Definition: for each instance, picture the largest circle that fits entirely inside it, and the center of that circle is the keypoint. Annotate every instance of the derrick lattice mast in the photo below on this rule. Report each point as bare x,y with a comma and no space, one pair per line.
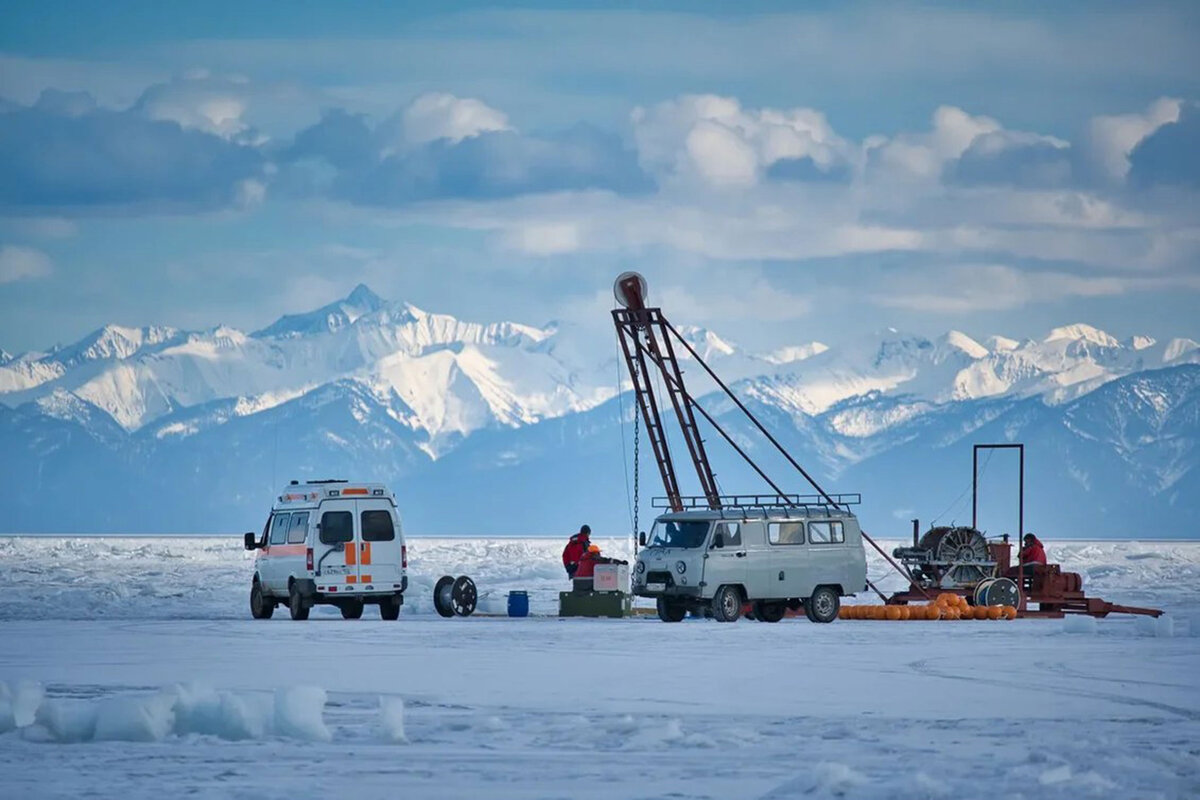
645,339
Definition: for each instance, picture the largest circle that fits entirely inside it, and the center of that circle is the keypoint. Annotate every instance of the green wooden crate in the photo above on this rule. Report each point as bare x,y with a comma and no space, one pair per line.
594,604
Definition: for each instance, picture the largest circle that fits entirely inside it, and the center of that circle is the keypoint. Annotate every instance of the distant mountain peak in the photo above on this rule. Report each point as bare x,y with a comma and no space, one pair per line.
960,341
5,356
362,297
1082,331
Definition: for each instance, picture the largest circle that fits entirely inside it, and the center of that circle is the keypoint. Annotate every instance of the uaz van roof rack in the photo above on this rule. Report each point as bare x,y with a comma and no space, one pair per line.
759,501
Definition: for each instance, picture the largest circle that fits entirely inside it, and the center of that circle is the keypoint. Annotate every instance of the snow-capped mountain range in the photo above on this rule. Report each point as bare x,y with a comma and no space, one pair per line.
143,421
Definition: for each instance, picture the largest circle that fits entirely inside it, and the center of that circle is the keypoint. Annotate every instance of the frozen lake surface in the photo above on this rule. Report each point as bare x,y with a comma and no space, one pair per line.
132,669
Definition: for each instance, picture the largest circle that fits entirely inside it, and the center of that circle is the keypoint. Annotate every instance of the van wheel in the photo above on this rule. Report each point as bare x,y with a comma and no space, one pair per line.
296,606
352,610
823,605
671,610
261,606
769,612
727,604
389,608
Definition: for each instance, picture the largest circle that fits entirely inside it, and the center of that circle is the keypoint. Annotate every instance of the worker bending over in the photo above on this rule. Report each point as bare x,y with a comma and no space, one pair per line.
585,575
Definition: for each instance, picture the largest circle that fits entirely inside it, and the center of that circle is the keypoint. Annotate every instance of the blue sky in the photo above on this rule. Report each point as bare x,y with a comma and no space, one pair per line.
781,172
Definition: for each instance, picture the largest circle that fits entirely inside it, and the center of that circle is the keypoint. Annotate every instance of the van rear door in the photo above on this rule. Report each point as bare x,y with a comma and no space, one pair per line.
335,555
379,544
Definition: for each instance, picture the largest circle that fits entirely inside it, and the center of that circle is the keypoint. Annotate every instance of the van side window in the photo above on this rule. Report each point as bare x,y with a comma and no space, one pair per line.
337,526
377,526
826,532
730,532
279,528
299,530
785,533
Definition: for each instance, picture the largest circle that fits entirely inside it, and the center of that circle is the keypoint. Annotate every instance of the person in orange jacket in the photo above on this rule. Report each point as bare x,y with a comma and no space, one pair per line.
577,545
588,562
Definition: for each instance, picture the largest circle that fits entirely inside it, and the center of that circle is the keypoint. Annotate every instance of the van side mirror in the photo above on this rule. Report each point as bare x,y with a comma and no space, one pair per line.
718,540
642,538
248,541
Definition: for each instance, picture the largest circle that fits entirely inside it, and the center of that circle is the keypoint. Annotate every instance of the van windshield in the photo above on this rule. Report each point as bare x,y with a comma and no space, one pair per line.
678,534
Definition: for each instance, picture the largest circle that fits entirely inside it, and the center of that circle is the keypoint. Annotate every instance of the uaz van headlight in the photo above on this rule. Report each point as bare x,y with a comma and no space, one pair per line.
640,568
680,567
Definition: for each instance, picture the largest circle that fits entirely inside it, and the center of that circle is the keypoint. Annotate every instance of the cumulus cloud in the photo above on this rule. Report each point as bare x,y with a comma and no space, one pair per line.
721,143
1110,139
1015,158
1170,155
63,154
965,148
442,147
443,116
19,263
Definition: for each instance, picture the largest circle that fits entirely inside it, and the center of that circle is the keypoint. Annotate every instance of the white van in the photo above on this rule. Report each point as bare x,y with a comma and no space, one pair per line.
330,542
715,562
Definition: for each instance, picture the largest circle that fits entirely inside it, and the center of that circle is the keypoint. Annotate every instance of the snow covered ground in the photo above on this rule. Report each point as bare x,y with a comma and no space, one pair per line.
130,668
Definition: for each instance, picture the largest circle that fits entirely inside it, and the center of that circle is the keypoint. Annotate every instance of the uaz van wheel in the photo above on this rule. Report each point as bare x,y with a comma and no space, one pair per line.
389,608
671,610
352,610
296,604
823,605
727,604
261,607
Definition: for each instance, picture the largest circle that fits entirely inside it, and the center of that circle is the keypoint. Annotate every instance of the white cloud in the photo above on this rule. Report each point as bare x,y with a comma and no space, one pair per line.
544,239
967,288
19,263
444,116
199,101
1112,138
723,144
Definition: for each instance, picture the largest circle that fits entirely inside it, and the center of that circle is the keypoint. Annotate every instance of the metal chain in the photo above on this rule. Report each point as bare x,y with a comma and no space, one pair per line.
636,471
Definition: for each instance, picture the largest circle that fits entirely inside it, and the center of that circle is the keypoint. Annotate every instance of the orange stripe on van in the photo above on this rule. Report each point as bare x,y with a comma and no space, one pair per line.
366,578
351,554
353,491
366,554
351,579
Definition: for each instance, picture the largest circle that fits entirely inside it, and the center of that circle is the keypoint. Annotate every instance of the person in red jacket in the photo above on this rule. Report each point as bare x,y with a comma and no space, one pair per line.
1032,553
577,545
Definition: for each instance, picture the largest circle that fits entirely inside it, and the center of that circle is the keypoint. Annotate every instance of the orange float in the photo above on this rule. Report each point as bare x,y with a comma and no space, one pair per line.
905,612
995,612
980,612
893,612
1010,612
950,613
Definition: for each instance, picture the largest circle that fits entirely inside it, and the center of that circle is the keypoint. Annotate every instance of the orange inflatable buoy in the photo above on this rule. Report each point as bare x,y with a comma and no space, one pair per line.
893,612
995,612
1010,612
905,612
980,612
950,613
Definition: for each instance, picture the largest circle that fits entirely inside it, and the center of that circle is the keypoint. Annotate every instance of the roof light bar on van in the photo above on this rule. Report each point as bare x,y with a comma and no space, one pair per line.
353,491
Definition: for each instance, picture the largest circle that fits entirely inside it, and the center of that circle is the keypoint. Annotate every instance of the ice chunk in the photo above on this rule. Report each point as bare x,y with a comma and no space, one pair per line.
298,712
7,721
67,720
145,718
25,701
391,718
1079,623
203,710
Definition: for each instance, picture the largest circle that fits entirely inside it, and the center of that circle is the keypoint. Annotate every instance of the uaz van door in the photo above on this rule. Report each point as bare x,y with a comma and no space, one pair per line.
725,564
379,544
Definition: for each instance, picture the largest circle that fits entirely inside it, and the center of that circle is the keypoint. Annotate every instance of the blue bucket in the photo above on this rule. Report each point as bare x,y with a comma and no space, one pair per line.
518,604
